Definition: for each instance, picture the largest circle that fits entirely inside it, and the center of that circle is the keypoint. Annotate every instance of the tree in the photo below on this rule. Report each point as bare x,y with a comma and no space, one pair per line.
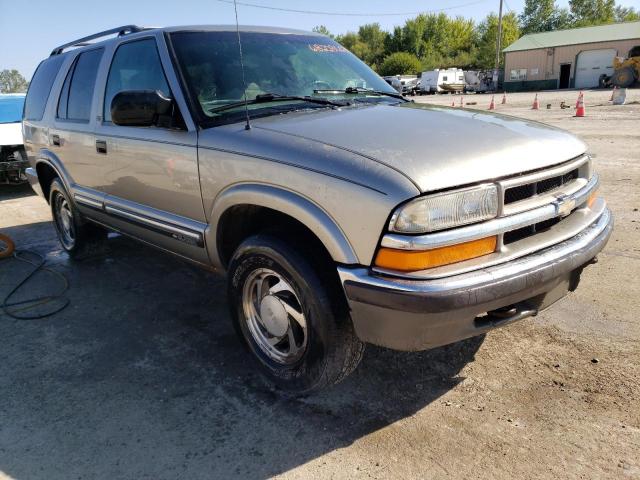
11,81
626,14
321,29
543,16
374,38
369,44
352,42
592,12
436,39
488,32
400,63
562,19
536,16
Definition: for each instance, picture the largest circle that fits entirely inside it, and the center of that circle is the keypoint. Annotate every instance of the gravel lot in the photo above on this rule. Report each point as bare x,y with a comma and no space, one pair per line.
142,377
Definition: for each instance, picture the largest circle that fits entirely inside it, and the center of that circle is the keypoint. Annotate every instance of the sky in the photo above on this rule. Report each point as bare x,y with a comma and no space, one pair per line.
45,24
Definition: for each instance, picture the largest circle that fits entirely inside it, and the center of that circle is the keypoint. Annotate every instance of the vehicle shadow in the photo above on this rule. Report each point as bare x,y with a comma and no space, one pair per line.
11,191
142,376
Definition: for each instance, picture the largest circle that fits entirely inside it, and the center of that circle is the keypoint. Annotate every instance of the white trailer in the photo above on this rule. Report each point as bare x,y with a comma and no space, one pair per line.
442,80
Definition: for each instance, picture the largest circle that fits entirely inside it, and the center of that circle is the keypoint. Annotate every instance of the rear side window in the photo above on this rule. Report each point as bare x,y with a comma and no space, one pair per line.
135,66
40,87
77,92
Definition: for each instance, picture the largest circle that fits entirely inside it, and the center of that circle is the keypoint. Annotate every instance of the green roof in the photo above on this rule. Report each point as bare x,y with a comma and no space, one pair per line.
576,36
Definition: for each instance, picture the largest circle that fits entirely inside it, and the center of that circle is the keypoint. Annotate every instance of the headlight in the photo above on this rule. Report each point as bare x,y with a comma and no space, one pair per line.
446,210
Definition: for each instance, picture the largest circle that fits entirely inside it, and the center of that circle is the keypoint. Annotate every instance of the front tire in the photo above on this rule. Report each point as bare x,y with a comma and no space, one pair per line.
289,317
76,236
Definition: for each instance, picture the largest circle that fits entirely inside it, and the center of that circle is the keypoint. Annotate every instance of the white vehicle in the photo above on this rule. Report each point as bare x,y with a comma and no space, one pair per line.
442,80
13,159
404,83
478,81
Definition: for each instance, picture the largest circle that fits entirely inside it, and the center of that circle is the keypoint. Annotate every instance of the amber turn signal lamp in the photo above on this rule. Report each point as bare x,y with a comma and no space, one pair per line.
411,261
592,198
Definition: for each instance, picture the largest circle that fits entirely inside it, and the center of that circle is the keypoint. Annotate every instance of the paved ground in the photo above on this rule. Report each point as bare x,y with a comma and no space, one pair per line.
141,377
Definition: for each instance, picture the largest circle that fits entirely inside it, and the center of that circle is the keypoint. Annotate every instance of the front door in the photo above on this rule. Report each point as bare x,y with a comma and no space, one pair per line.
152,182
565,75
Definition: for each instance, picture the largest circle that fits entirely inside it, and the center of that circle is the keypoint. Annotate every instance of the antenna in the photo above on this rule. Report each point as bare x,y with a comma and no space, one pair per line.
244,83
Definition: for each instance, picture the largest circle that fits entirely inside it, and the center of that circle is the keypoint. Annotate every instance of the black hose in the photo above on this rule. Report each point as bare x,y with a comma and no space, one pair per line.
29,304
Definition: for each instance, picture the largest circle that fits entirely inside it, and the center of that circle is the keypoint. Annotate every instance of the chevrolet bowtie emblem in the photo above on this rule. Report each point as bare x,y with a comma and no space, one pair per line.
564,205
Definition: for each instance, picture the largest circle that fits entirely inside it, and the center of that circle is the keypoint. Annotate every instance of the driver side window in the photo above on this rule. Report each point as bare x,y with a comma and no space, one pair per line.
135,66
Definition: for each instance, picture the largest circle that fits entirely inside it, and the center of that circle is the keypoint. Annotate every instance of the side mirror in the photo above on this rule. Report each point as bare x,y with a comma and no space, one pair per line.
140,108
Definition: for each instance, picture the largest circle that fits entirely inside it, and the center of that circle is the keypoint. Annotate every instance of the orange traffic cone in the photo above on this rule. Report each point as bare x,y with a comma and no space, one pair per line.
536,104
613,92
504,98
580,106
453,103
492,105
579,97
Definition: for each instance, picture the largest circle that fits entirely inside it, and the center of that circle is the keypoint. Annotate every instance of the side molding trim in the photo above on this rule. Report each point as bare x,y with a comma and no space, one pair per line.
87,202
177,233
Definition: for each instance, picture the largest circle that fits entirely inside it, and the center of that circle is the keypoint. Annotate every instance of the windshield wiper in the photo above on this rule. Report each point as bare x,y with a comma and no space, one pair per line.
274,97
356,90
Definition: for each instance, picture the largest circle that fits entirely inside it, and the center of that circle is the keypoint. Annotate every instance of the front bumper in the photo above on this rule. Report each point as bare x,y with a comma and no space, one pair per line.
32,177
422,314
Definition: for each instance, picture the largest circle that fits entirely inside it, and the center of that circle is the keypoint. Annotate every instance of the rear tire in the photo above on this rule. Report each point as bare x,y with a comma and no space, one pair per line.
76,235
289,317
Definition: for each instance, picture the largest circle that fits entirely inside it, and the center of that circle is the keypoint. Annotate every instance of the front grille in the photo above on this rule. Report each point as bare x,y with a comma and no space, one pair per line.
522,192
528,231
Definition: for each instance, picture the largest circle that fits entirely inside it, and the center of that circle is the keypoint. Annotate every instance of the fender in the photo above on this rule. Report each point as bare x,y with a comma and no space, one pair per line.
51,159
284,201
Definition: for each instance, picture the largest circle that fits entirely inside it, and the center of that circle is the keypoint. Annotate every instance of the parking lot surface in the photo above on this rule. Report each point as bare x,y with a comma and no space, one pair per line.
142,377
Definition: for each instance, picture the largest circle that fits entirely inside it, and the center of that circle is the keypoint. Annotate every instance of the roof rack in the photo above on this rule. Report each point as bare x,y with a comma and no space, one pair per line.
124,30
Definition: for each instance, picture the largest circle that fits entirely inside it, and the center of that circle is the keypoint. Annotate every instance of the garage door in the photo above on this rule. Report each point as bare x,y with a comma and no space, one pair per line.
591,64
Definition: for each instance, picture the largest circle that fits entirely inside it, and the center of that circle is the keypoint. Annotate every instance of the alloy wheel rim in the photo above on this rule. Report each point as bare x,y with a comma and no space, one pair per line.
274,316
64,222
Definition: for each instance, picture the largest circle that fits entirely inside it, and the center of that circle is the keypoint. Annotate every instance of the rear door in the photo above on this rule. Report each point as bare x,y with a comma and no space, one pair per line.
152,181
72,133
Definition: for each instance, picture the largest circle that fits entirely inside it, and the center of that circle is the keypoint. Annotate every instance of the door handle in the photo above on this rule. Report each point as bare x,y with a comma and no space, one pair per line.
55,139
101,146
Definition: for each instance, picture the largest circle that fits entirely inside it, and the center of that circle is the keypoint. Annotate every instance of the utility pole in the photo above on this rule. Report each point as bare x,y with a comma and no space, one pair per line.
498,42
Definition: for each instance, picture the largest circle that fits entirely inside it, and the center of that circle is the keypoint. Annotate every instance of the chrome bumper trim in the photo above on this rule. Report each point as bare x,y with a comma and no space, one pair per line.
486,276
569,227
562,206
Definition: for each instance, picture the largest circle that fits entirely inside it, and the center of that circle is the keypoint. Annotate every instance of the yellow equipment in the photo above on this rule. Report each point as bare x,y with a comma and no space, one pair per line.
626,71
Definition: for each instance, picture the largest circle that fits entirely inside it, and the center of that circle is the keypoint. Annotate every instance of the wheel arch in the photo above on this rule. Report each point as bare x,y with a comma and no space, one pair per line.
237,200
48,167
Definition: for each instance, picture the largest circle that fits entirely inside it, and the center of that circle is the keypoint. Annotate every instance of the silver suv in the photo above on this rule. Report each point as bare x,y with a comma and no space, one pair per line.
342,213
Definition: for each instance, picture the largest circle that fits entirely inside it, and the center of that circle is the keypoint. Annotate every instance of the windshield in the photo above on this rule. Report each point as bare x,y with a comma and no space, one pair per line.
11,108
281,64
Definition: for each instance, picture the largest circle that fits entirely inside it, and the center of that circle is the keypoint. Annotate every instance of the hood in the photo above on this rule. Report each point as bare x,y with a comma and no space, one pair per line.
435,147
11,134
